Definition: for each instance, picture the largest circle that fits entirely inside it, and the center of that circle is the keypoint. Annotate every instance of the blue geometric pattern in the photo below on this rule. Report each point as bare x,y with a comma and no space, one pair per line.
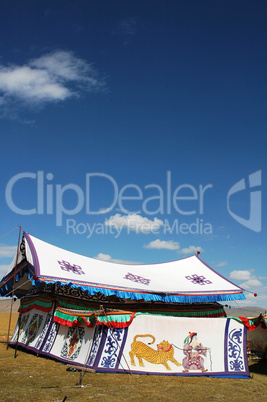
51,338
95,346
44,331
111,348
235,358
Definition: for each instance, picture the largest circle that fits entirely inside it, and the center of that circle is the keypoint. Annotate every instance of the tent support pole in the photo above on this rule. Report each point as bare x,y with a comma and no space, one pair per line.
13,290
19,324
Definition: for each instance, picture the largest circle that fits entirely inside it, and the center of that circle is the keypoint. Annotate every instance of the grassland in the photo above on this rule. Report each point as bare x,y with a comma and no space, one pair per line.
31,378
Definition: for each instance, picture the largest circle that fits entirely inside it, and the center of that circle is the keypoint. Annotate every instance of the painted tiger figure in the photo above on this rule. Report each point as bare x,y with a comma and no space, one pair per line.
142,351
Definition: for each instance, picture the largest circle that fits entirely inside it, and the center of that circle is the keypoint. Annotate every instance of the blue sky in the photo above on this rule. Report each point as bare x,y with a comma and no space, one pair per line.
161,101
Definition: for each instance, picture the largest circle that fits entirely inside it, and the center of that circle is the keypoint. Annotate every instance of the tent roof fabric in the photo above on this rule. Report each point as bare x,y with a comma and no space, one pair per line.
189,280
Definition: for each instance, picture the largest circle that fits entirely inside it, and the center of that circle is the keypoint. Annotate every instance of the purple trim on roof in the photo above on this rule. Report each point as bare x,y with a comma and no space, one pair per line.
36,264
67,281
232,283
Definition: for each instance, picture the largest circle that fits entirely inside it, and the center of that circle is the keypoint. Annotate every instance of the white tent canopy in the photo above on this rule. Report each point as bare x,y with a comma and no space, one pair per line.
187,280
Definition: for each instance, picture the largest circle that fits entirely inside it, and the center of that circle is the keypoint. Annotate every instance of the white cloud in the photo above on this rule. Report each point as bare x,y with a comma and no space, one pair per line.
133,222
246,275
31,84
107,257
222,264
163,244
190,250
240,275
128,26
62,64
250,300
3,270
51,77
250,283
7,251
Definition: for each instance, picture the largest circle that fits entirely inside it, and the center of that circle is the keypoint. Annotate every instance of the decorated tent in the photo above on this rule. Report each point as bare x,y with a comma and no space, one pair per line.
158,318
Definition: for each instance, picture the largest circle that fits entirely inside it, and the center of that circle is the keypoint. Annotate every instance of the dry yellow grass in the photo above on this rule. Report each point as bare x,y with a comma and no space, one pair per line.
31,378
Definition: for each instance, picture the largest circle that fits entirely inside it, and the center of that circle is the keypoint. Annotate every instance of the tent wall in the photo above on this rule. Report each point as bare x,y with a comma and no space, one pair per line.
150,344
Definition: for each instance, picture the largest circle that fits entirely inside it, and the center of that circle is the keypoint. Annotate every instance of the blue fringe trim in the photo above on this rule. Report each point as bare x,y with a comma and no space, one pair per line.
148,296
5,289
